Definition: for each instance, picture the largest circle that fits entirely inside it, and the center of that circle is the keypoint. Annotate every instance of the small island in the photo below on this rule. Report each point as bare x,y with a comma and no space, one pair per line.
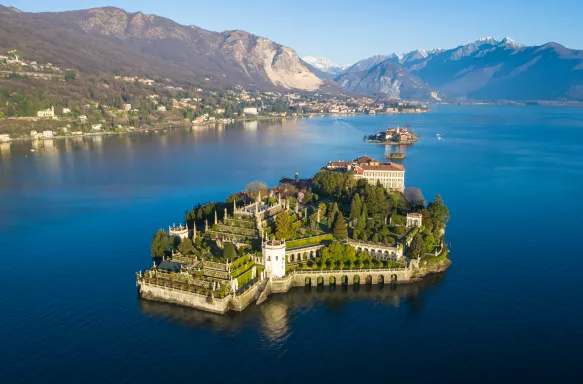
352,223
395,155
393,136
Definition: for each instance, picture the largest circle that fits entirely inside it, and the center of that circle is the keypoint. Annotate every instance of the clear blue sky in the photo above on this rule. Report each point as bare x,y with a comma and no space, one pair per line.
347,31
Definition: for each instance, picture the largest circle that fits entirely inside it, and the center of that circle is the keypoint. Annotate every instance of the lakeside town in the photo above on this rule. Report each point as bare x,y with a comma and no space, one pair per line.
43,101
354,223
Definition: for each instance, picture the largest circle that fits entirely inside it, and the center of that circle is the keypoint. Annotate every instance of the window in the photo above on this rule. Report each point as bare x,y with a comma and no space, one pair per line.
268,258
276,258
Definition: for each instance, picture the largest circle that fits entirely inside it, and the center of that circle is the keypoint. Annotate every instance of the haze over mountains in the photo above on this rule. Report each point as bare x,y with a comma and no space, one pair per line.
107,40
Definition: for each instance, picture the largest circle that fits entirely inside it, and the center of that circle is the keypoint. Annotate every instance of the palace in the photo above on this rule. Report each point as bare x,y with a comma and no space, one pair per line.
389,175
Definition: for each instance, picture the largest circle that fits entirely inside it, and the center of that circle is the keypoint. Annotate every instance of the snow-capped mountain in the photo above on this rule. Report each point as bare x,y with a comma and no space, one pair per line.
324,64
485,69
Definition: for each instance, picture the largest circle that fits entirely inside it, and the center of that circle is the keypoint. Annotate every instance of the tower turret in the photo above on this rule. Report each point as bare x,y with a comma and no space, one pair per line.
274,258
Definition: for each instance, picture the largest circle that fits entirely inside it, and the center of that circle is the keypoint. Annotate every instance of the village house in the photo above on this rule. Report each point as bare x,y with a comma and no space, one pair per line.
66,110
161,108
33,134
126,107
96,127
82,118
250,111
48,134
4,138
50,112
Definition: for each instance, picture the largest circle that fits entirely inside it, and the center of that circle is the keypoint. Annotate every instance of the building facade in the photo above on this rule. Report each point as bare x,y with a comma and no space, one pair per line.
389,175
274,258
414,220
46,112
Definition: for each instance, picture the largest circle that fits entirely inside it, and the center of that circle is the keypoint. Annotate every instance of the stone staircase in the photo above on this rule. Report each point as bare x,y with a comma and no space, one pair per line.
265,290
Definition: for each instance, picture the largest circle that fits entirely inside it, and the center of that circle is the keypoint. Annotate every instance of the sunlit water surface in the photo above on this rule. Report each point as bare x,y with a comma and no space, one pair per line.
77,217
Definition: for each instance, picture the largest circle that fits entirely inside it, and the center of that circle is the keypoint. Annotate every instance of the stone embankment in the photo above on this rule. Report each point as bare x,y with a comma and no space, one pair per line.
260,291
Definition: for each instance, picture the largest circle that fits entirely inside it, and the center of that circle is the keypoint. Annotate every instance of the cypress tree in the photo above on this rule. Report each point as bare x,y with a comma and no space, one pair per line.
340,230
229,252
364,211
355,207
332,214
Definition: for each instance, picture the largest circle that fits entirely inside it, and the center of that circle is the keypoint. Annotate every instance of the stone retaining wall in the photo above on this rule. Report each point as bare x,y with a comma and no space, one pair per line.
189,299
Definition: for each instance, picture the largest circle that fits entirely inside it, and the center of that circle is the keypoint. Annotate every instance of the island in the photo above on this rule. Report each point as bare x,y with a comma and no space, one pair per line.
393,136
353,223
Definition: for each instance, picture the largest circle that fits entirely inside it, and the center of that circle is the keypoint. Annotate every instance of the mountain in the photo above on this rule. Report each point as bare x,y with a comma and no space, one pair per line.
387,78
111,39
486,69
325,65
366,64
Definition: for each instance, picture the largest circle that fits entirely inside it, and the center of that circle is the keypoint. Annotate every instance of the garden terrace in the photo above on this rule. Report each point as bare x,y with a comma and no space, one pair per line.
309,241
186,287
234,222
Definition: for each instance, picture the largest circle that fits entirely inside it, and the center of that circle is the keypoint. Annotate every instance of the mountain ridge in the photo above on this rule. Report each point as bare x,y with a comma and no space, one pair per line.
487,69
235,57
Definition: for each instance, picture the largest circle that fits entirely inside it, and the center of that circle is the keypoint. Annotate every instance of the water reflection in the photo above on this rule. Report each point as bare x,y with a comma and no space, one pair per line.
5,151
275,316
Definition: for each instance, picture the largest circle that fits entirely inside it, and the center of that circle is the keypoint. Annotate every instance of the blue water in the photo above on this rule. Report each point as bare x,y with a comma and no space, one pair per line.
77,216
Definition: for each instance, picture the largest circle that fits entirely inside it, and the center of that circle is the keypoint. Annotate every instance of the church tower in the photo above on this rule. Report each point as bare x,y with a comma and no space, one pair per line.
274,258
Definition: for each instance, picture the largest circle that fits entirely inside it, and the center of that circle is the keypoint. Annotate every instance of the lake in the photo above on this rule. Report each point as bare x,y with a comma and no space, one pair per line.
78,215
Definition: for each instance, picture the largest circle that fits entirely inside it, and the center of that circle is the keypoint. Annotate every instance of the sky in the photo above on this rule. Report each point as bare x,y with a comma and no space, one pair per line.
348,31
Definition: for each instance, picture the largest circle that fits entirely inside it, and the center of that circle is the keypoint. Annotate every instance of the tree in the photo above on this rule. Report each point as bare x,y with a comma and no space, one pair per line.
417,248
414,197
340,231
334,184
185,246
254,187
229,252
70,76
159,244
364,211
355,207
332,214
438,209
283,226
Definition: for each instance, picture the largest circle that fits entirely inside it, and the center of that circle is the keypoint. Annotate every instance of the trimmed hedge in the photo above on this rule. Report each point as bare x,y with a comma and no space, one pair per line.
309,240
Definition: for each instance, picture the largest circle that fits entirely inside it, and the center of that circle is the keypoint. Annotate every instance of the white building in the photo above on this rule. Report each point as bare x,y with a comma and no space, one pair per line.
250,111
96,127
414,220
50,112
66,110
33,134
390,175
126,107
179,231
274,258
83,118
4,138
161,108
47,134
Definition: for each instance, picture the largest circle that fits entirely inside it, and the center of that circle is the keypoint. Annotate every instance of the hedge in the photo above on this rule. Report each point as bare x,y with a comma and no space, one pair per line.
309,240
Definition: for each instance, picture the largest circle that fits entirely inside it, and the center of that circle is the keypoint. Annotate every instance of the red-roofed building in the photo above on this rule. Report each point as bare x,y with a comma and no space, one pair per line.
390,175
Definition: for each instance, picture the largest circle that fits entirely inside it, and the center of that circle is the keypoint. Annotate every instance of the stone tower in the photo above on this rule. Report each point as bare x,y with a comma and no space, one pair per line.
274,258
